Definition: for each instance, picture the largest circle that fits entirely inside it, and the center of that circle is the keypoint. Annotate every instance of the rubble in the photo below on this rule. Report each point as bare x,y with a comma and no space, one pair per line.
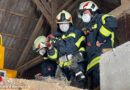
23,84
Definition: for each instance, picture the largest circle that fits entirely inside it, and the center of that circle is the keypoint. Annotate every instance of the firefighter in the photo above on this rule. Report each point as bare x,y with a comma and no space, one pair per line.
48,67
68,46
99,32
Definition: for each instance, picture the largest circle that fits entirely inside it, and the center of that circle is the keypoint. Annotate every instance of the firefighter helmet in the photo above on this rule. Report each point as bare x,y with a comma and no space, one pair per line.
39,42
88,5
64,17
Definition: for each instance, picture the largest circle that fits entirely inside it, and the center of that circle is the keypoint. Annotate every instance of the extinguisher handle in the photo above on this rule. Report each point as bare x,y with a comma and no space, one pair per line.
0,39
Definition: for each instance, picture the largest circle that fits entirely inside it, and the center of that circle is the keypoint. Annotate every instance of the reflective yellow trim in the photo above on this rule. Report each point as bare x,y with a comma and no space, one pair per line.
105,31
55,55
82,38
63,36
94,26
68,63
93,62
82,49
103,18
72,35
45,58
112,39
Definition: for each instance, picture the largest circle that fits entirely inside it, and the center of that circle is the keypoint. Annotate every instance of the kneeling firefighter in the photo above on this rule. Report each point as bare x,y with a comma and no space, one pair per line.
48,66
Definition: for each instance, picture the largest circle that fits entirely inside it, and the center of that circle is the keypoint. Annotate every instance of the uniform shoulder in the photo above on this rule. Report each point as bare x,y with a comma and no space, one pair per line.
76,30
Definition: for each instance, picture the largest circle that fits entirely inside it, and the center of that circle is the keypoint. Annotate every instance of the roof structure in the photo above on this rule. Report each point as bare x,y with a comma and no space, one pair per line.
21,21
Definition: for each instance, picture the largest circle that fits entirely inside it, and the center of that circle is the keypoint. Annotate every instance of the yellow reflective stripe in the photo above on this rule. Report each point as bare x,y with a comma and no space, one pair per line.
54,56
61,64
50,41
112,39
82,38
103,18
93,62
72,35
82,49
68,63
104,31
63,36
94,26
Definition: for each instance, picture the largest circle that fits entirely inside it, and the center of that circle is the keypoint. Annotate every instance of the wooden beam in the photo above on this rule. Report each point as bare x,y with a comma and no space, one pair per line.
65,5
17,14
14,36
54,13
46,5
29,64
30,42
118,12
44,12
124,1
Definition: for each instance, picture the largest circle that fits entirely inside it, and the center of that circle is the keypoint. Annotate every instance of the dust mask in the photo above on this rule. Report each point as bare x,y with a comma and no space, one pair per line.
86,18
64,27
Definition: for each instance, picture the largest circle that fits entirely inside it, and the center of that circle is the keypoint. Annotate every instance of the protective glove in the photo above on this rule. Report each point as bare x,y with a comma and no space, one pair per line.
49,41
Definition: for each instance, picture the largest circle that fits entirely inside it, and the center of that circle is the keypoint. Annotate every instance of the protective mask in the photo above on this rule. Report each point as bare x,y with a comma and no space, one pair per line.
86,18
64,27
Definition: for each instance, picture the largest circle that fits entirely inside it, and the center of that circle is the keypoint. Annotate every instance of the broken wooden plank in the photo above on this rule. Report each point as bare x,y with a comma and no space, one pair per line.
30,42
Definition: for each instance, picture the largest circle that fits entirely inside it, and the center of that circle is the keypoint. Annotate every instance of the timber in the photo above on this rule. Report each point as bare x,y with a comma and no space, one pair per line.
118,12
43,10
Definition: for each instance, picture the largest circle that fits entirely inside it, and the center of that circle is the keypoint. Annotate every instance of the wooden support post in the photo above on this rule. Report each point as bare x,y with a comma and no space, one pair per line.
29,64
30,42
53,14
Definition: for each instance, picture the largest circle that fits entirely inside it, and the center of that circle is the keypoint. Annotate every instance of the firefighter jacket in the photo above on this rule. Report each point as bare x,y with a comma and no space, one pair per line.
67,43
101,28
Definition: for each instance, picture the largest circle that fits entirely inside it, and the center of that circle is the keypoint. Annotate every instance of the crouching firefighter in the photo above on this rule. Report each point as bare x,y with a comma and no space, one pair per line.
48,67
68,47
100,30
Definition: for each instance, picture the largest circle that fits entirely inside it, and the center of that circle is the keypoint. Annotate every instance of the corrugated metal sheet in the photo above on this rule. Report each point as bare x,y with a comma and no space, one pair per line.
12,26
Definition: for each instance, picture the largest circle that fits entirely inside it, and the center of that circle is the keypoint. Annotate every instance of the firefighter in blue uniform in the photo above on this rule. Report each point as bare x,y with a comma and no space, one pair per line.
68,46
99,32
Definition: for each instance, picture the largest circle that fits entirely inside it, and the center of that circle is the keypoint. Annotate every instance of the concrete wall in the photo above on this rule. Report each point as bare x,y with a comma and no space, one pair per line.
115,68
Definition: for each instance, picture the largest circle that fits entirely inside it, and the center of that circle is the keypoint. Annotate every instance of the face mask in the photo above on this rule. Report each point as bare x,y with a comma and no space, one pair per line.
64,27
86,18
